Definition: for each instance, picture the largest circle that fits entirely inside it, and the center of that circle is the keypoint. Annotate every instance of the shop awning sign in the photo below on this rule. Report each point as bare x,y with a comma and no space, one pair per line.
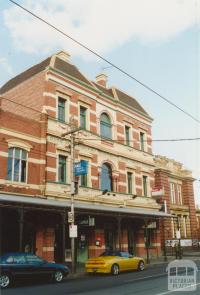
81,168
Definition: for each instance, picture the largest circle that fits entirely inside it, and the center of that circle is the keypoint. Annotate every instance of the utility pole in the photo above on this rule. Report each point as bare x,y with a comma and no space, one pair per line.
72,219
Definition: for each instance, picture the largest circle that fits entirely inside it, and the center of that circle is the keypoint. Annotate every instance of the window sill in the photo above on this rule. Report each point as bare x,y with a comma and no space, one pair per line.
16,182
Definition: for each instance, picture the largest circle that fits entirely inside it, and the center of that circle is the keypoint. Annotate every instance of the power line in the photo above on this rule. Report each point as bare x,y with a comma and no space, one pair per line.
107,61
20,104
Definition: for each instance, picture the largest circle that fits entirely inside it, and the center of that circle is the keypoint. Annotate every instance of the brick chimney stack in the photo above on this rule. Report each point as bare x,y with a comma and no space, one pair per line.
101,79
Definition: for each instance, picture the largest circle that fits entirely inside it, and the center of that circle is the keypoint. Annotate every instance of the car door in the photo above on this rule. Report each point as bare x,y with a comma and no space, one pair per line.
38,265
126,260
18,265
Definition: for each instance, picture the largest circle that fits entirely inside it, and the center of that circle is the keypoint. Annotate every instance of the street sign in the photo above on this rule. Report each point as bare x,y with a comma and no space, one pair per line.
73,232
81,168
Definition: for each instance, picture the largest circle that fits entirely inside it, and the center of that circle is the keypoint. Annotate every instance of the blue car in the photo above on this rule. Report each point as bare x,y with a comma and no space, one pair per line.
23,265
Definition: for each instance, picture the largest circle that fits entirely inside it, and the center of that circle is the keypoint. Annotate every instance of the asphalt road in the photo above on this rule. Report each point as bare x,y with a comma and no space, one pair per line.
152,281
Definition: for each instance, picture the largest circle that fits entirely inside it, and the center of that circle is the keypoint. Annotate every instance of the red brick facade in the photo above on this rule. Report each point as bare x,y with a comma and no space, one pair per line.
31,122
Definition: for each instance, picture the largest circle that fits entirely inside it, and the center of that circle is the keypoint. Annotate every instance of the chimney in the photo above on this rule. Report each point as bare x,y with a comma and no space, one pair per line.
63,55
101,79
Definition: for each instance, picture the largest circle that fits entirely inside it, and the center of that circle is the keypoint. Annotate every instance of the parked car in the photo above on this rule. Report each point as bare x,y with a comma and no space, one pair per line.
114,262
23,265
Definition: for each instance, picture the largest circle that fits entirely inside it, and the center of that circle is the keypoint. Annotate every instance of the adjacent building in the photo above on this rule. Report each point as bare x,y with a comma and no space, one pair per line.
177,184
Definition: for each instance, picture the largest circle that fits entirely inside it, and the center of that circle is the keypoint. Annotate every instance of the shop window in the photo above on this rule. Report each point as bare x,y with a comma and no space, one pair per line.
83,117
127,135
17,165
106,177
105,126
61,109
62,169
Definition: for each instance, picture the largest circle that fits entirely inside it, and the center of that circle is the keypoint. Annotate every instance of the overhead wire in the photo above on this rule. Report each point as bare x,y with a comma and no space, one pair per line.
106,60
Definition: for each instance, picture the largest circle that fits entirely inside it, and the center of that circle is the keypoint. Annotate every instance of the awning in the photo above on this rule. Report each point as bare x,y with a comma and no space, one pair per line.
8,198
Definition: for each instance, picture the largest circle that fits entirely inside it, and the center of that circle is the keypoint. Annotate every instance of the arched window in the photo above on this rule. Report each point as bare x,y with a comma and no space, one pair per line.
106,177
17,164
105,126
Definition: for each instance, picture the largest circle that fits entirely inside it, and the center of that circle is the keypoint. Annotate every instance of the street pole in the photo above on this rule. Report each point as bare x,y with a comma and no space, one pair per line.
72,149
146,241
72,201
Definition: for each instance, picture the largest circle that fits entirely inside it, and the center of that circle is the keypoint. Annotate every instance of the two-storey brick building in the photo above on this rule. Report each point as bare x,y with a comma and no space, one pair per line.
113,207
177,184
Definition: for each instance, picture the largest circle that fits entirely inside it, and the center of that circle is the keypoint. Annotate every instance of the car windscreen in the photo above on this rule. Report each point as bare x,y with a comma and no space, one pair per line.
110,253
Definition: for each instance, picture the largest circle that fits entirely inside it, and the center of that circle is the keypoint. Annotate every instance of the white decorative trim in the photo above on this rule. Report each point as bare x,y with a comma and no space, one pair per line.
53,109
22,136
36,161
19,144
52,155
49,94
3,154
50,169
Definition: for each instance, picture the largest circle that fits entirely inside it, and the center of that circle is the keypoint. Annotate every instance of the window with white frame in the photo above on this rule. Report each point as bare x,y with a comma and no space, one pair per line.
172,193
142,141
61,109
145,185
83,117
179,191
129,182
17,165
62,169
105,126
127,135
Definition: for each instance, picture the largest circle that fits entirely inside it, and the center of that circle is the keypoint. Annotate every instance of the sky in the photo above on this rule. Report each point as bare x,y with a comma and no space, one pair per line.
156,41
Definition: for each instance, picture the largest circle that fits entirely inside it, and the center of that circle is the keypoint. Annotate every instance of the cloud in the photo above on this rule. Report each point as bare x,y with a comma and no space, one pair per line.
101,25
5,65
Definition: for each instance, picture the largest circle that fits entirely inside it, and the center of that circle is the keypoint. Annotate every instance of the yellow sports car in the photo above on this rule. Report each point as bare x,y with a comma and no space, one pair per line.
114,262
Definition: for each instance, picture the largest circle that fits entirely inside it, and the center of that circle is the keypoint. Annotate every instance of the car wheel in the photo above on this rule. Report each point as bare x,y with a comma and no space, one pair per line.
58,276
4,281
115,269
141,265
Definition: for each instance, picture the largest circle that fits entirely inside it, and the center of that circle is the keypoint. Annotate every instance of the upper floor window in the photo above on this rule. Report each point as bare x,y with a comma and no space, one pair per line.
172,193
105,126
17,165
83,113
62,168
179,191
130,182
61,109
106,177
144,182
84,180
127,135
142,141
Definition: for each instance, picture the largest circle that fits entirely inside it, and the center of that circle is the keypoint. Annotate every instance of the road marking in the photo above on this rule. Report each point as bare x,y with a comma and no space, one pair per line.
148,277
175,290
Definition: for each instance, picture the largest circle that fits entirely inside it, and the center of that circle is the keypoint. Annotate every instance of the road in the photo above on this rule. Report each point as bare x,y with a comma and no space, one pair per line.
152,281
